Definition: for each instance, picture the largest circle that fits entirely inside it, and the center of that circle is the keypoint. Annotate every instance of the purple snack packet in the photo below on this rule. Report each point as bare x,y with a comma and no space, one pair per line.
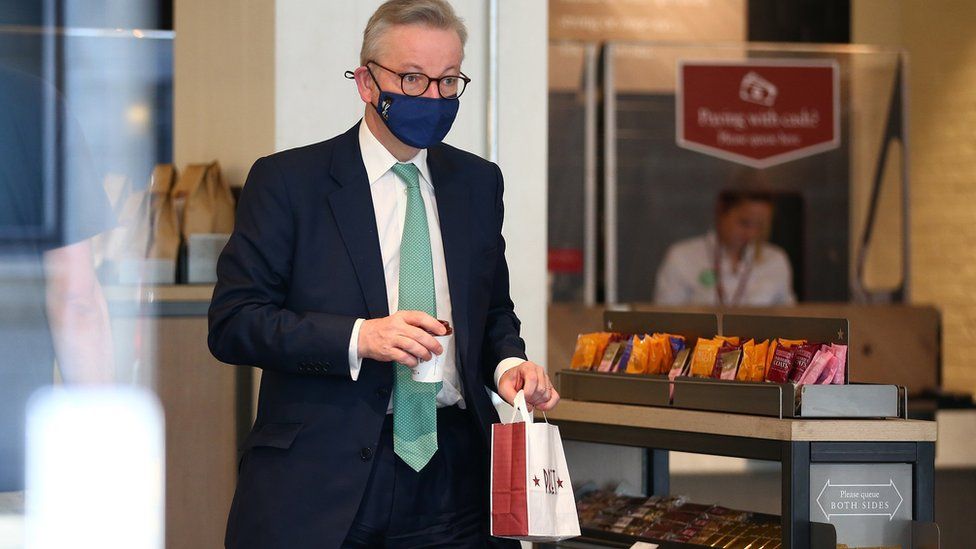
625,356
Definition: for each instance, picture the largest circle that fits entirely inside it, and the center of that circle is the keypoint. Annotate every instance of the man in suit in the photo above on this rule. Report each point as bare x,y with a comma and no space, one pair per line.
344,256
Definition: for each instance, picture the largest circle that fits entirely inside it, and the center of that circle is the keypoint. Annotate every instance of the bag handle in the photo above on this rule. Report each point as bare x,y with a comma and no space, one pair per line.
519,406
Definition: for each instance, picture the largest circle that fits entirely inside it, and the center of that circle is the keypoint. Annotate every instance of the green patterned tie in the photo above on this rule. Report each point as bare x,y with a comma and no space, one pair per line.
415,403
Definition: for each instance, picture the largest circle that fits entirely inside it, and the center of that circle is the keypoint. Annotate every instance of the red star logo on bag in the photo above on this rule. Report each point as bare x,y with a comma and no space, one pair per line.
559,483
535,480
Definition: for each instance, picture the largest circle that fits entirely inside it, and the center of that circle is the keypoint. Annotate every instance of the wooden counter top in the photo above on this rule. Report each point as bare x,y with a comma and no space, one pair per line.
768,428
168,300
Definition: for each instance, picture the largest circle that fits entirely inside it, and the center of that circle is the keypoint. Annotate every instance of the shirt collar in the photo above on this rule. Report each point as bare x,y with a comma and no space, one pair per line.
378,160
711,240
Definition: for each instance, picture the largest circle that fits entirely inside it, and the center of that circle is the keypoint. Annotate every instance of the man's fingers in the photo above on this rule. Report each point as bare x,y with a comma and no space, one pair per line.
425,321
424,339
403,357
530,384
414,348
551,403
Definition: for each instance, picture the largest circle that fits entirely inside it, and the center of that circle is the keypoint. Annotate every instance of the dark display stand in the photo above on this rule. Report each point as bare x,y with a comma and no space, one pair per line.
801,446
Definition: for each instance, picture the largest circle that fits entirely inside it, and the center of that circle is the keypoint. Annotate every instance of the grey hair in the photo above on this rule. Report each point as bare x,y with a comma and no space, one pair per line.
433,13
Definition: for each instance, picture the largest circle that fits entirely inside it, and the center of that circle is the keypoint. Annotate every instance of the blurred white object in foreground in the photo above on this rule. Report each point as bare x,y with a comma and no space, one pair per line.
95,468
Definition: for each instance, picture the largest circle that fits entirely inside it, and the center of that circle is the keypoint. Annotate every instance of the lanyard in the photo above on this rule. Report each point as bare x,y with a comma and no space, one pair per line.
743,280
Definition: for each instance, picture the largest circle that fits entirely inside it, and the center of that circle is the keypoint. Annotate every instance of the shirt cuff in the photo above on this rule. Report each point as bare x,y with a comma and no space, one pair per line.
355,361
505,366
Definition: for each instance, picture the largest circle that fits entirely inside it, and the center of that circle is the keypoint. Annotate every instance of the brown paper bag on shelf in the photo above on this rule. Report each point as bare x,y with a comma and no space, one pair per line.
164,242
208,205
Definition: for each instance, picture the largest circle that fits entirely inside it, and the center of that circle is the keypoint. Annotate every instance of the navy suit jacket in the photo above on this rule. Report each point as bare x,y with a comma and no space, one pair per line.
302,265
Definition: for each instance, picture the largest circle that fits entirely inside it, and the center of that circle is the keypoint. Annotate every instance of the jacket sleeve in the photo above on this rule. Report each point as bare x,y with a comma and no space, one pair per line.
502,339
249,324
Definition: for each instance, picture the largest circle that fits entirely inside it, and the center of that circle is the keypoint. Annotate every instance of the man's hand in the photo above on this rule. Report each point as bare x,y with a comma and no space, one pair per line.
401,337
533,379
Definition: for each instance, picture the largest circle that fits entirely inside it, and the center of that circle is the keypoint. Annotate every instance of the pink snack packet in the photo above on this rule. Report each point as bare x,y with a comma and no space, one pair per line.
840,351
827,375
819,364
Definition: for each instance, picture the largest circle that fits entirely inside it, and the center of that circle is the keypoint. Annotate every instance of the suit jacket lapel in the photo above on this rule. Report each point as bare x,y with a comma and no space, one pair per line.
352,207
453,209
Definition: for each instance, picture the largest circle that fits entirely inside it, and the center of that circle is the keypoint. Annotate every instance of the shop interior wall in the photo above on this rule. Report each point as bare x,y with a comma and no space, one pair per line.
942,108
223,83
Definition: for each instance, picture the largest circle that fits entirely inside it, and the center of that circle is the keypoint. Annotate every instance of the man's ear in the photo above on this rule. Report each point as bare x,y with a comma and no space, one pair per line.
365,84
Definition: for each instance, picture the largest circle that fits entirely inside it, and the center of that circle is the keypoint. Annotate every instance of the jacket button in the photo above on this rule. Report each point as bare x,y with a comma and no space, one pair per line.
366,454
383,393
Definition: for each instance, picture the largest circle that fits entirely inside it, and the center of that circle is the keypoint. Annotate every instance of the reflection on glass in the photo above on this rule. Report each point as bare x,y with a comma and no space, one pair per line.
84,116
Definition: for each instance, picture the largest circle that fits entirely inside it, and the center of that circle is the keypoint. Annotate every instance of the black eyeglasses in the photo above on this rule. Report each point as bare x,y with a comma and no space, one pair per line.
416,83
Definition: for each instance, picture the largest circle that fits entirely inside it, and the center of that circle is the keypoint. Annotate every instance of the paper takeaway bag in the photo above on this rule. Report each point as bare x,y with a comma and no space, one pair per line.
207,202
531,493
164,240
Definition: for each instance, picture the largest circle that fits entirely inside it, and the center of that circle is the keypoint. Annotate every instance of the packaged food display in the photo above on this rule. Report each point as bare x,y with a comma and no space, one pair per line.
729,358
674,519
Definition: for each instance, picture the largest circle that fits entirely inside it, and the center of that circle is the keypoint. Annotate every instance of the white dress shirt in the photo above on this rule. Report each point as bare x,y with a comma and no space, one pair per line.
389,194
687,275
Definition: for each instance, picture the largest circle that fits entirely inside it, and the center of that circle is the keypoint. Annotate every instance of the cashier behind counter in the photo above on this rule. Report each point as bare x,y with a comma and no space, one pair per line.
733,265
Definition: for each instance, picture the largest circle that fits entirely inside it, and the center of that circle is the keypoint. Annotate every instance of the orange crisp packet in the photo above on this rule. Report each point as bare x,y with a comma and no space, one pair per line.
703,360
758,369
639,354
589,350
734,340
748,350
658,347
753,366
672,343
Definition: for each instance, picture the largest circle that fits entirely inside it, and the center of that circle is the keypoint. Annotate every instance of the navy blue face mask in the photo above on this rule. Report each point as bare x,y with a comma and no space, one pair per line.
420,122
417,121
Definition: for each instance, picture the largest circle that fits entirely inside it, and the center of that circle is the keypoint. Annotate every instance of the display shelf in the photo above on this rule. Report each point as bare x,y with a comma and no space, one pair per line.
815,454
740,397
608,416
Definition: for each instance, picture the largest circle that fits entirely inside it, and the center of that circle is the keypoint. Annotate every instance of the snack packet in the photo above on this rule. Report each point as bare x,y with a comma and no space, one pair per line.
671,344
779,370
704,356
802,356
840,374
757,371
679,364
658,354
821,362
623,358
730,363
723,349
776,343
639,354
610,357
589,350
748,349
